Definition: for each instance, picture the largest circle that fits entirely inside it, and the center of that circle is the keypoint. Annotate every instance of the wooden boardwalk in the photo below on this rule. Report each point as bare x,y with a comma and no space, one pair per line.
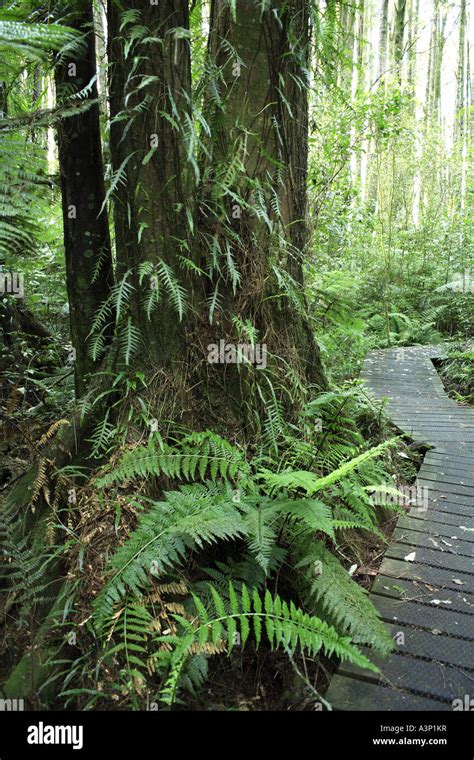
425,588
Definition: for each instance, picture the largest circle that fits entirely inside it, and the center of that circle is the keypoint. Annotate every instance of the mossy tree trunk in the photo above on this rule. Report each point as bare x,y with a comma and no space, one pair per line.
261,118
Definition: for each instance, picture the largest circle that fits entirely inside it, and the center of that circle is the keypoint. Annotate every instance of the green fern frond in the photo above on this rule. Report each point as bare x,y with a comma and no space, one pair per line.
339,596
130,340
188,519
311,483
283,625
203,455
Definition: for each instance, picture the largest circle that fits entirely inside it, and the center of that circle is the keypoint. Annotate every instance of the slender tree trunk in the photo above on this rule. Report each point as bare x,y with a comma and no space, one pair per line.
412,43
86,233
399,36
460,133
151,130
383,39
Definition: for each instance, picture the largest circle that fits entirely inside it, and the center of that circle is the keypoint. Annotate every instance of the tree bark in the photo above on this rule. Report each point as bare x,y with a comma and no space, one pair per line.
383,39
258,122
150,110
264,112
89,273
399,36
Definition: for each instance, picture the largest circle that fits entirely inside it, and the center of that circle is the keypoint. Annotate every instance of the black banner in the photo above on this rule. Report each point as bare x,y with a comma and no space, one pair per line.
129,734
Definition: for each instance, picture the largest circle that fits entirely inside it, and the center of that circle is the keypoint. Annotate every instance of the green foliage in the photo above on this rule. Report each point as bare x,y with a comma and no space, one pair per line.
284,625
336,594
310,483
33,41
196,455
187,519
26,556
277,518
265,520
458,374
22,179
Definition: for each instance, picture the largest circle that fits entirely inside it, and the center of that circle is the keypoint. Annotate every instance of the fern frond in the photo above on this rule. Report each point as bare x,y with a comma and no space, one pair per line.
51,432
347,603
188,519
284,625
204,455
311,483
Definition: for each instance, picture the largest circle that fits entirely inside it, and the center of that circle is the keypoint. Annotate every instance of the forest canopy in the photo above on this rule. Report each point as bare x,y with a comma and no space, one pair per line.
210,211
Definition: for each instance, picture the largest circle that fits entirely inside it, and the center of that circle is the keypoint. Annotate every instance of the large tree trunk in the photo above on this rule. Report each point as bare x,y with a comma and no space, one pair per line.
86,233
250,204
263,118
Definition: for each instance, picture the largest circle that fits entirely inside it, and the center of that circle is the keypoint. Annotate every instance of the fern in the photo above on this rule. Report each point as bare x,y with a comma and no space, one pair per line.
340,597
187,519
34,40
130,340
163,275
310,483
197,455
284,625
25,559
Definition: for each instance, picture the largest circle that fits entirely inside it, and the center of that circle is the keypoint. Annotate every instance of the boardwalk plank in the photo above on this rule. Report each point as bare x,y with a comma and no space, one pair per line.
432,557
435,619
420,538
352,694
425,588
429,679
425,593
437,576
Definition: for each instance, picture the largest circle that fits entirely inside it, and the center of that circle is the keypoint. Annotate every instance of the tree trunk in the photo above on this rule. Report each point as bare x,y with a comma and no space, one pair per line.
264,115
257,136
150,111
383,39
86,233
399,36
